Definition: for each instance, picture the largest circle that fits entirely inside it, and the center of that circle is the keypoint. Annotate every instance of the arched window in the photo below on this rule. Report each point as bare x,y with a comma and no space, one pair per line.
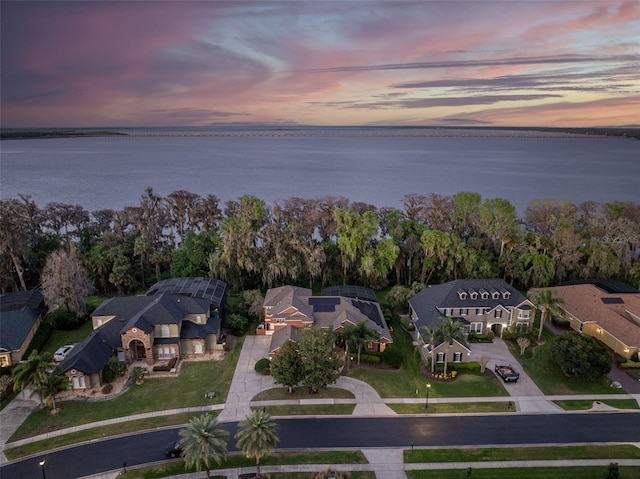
164,331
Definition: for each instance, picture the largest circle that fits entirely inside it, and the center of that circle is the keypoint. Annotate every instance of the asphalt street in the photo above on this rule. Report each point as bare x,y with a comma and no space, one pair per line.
350,432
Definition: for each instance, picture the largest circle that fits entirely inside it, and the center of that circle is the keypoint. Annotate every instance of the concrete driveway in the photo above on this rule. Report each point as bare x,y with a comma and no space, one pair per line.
529,397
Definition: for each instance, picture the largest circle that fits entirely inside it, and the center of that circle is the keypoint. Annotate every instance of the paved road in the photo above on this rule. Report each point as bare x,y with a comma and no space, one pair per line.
350,432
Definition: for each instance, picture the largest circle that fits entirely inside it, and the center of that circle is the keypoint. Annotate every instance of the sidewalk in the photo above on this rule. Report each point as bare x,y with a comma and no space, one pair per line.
13,415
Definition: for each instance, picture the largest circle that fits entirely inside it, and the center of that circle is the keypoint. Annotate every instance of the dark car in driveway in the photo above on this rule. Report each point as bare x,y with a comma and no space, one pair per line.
173,449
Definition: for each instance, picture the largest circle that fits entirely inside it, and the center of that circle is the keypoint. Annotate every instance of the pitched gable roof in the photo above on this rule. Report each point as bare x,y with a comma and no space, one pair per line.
616,313
19,313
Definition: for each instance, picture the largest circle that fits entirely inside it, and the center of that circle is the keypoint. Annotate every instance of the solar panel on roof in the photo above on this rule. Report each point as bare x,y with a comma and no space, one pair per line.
612,300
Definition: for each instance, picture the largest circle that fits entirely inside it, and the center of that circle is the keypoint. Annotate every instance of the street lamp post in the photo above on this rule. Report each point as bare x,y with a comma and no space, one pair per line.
426,405
44,476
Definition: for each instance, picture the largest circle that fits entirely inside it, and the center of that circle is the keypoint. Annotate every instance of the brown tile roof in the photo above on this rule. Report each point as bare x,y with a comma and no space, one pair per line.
585,302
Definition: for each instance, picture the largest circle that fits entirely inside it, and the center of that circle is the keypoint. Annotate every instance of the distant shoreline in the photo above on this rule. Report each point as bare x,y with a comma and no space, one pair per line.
318,131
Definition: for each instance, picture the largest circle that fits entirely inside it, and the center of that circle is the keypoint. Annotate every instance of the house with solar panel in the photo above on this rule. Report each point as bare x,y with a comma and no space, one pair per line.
288,308
177,319
607,310
480,305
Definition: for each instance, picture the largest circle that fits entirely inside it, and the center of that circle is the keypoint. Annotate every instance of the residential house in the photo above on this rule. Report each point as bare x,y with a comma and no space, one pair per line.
607,310
21,313
289,307
480,305
179,318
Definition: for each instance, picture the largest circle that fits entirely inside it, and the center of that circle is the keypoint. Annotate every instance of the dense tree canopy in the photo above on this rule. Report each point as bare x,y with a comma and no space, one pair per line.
330,240
580,356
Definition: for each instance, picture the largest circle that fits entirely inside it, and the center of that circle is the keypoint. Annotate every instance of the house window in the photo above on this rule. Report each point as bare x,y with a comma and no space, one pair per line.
476,327
99,322
165,353
198,319
457,357
77,382
479,311
164,331
581,326
496,295
440,358
506,295
522,327
464,311
523,314
448,311
4,361
462,295
197,348
485,295
474,295
498,313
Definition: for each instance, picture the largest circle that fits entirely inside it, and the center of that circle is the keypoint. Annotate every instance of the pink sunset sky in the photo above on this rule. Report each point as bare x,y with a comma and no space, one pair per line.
453,63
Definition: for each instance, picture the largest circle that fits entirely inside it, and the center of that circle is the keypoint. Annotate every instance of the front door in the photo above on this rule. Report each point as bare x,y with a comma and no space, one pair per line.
497,329
137,350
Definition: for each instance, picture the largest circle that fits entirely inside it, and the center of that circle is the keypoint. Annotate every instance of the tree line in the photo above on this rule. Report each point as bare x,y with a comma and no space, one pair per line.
323,241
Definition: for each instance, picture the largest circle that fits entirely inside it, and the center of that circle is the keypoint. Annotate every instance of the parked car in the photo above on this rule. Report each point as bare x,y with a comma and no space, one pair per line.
507,373
173,449
62,352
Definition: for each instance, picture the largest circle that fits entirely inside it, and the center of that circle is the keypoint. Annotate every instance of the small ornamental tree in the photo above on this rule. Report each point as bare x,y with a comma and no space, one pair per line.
286,367
581,357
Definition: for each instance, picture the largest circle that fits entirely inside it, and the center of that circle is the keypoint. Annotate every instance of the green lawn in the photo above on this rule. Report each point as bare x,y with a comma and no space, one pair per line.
238,460
584,404
60,338
550,378
446,408
154,394
526,473
534,453
308,410
281,394
408,381
99,433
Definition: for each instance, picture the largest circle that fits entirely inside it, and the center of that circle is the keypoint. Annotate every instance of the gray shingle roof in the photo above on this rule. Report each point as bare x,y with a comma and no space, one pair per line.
19,313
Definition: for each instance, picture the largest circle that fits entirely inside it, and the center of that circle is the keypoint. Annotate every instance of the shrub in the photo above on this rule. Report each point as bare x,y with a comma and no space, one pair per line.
490,335
66,320
580,356
392,356
509,333
41,337
630,365
479,338
406,324
106,389
237,324
262,366
369,358
635,357
138,374
470,366
114,369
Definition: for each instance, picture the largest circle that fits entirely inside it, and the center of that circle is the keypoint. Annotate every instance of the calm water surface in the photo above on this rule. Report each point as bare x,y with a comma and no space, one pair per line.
114,172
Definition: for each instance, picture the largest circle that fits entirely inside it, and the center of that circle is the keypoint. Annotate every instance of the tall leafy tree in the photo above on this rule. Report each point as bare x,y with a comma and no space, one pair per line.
65,281
286,367
547,302
257,436
202,441
319,361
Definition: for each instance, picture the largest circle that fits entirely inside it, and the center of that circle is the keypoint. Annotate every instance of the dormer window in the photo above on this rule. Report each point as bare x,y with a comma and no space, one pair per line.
495,295
506,295
485,295
474,295
462,295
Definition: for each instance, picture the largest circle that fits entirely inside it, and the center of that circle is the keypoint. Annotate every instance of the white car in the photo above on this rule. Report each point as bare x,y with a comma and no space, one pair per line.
62,352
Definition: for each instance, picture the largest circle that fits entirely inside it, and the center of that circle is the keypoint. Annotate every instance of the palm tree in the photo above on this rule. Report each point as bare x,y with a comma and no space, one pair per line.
361,334
257,436
202,440
431,335
36,369
449,330
547,301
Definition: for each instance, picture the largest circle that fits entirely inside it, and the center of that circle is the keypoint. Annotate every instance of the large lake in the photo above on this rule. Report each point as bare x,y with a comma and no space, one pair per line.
113,172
